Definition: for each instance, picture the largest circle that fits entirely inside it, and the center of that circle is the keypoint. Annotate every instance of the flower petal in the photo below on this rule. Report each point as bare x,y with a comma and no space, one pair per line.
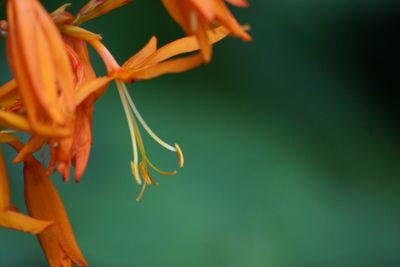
79,33
170,66
61,62
140,56
185,45
4,186
229,21
82,142
19,122
206,8
30,147
20,222
176,11
8,88
90,87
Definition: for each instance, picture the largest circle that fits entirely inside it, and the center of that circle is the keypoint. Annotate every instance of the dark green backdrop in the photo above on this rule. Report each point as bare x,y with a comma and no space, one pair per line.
291,144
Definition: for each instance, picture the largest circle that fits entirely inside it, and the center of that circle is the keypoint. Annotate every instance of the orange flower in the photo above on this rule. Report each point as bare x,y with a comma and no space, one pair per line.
148,63
9,216
40,65
43,202
198,16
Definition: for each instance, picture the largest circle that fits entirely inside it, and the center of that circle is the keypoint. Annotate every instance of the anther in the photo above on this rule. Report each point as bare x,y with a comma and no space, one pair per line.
135,172
181,159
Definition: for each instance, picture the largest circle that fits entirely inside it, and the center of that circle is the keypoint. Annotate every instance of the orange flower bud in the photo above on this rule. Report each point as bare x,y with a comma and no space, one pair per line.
40,65
9,217
44,202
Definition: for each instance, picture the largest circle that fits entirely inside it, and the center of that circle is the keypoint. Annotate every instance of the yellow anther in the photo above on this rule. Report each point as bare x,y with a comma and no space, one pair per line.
181,159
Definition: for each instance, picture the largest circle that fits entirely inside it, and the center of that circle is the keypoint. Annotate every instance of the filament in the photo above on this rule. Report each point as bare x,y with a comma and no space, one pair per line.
131,124
145,125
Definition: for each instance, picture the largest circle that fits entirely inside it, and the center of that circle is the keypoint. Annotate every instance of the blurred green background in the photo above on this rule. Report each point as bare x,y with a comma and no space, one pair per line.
291,145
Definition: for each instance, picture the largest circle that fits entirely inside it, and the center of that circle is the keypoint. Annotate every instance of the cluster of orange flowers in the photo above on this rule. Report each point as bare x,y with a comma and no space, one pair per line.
53,91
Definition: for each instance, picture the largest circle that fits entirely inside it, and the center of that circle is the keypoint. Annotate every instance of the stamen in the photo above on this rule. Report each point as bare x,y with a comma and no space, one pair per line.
175,149
132,114
131,124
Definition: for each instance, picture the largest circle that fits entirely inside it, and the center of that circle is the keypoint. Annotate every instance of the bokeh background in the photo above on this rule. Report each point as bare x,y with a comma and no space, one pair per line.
292,146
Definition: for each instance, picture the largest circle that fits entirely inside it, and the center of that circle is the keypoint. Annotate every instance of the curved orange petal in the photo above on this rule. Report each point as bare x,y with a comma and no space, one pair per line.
79,33
229,21
20,222
19,53
90,87
46,74
63,69
171,66
184,45
177,12
140,56
19,122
